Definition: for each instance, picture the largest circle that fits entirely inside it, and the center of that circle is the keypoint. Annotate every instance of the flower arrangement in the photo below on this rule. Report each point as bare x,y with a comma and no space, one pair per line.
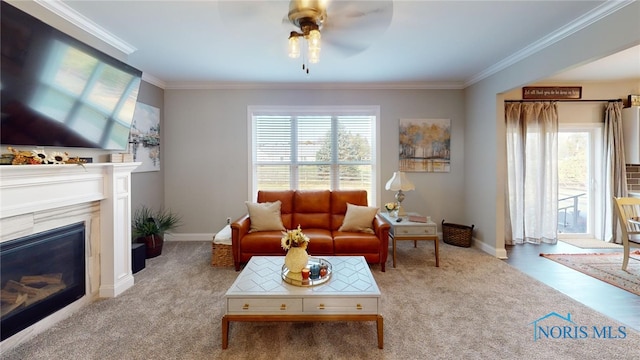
391,206
294,238
38,156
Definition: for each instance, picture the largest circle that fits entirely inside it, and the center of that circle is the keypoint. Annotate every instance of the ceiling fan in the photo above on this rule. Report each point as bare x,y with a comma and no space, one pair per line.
348,26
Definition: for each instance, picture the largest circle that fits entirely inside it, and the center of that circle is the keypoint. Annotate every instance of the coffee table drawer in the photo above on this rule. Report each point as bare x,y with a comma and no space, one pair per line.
329,305
264,306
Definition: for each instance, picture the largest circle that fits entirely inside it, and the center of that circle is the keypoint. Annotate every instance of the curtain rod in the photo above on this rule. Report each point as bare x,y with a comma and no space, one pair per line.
565,100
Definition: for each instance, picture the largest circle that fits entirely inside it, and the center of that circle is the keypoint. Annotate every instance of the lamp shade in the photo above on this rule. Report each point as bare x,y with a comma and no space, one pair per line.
399,182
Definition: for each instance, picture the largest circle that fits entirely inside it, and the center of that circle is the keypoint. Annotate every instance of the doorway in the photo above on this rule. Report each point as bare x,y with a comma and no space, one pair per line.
578,178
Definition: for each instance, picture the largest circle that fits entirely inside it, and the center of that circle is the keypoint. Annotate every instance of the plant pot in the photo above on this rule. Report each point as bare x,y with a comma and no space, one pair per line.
154,245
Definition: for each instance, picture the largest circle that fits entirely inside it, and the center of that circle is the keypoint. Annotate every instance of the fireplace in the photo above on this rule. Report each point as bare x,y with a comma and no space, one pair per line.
41,199
40,274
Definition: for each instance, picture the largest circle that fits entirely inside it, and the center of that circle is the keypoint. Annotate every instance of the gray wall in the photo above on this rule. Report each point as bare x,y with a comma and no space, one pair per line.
207,161
485,164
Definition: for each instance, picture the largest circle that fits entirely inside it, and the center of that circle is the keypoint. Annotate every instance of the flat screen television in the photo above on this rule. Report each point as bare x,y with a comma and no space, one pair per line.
58,91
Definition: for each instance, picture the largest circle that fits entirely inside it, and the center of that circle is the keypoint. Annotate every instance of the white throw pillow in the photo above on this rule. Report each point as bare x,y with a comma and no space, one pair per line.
265,216
358,218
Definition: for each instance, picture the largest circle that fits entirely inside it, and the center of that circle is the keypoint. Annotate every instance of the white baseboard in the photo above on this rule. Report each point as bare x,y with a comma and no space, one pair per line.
189,237
490,249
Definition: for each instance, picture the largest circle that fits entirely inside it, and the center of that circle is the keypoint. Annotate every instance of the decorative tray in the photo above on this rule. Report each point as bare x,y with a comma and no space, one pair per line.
296,278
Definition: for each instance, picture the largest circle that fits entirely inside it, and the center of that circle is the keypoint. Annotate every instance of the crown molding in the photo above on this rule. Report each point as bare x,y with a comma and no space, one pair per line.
64,11
604,10
154,80
314,86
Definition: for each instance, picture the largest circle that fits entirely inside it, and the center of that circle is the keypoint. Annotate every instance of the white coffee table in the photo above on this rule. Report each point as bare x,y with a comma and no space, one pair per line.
260,294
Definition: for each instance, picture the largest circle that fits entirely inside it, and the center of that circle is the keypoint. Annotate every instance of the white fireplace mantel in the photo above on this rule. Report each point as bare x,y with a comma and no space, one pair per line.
35,198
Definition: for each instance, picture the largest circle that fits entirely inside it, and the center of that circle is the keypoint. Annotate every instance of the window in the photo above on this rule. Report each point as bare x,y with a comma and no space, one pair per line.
313,148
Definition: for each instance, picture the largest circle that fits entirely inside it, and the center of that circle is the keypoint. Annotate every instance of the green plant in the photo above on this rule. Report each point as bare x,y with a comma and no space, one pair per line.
147,222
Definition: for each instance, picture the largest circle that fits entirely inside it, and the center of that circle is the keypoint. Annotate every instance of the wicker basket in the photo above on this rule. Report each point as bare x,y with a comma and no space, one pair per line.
221,255
458,235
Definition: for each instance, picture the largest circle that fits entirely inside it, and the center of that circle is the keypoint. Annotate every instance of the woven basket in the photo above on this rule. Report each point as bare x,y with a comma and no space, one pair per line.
455,234
221,255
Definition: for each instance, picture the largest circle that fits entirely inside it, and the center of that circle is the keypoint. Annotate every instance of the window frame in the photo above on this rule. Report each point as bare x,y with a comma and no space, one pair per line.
368,110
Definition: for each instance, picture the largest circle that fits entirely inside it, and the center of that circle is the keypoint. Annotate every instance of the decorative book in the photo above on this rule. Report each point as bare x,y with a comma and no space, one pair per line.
417,218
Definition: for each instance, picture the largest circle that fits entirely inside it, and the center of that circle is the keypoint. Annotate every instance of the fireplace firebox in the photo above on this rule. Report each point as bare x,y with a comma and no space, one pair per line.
39,275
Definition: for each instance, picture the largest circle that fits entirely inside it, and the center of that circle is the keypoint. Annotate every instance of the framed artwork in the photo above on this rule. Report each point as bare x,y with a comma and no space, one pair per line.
552,92
144,138
425,145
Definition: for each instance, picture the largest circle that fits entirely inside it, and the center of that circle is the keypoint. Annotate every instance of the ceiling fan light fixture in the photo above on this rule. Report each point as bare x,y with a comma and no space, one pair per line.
308,16
314,39
294,45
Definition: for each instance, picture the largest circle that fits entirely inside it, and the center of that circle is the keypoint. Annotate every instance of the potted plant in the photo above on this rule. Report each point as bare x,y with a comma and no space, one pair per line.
149,226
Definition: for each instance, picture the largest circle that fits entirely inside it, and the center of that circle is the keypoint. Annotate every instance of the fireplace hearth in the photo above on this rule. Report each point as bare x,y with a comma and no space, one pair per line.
39,275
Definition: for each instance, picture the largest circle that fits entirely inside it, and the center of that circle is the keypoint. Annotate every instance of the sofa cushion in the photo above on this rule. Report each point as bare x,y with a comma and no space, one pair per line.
349,243
339,200
359,218
262,242
265,216
311,209
286,208
320,242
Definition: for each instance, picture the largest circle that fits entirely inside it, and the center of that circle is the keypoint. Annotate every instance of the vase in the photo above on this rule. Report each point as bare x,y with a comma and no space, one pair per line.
296,259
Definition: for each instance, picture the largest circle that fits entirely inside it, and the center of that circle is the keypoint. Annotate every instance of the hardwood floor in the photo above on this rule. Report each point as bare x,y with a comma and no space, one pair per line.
609,300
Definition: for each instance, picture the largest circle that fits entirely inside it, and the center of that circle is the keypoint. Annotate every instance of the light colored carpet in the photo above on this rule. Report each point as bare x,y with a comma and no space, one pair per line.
606,267
473,307
591,244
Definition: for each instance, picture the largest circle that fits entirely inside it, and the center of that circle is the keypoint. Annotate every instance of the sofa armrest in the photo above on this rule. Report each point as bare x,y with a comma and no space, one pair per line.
381,228
239,229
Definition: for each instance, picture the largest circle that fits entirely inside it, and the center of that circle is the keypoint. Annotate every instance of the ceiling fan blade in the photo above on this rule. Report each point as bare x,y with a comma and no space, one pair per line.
352,26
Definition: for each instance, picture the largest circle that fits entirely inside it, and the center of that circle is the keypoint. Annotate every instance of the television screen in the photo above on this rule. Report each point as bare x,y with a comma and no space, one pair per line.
58,91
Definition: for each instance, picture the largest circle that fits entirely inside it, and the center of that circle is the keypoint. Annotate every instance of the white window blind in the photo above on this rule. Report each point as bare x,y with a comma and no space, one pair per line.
313,148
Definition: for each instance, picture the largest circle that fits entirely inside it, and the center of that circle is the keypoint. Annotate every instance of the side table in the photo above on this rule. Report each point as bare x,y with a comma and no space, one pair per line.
409,230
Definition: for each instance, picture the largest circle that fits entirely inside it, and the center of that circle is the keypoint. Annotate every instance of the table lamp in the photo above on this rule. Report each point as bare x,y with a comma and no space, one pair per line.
399,183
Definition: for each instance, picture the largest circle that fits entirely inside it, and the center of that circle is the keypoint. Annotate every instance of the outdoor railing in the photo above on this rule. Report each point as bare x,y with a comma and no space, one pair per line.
562,212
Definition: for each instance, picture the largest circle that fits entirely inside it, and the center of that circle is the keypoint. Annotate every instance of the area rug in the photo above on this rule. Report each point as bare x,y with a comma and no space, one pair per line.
591,244
606,267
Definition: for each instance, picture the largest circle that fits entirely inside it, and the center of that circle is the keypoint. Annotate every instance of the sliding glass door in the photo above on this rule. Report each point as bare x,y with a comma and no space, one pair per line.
578,179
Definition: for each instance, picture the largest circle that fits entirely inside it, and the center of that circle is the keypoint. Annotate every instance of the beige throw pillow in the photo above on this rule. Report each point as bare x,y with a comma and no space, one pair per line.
358,218
265,216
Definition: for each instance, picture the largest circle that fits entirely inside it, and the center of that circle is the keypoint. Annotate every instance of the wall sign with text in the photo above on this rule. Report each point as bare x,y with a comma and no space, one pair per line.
552,92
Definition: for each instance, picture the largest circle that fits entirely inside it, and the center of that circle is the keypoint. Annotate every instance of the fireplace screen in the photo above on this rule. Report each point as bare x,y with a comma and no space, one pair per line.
40,274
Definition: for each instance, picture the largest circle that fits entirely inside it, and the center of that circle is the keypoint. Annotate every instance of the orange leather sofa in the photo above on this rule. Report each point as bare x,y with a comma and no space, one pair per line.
320,213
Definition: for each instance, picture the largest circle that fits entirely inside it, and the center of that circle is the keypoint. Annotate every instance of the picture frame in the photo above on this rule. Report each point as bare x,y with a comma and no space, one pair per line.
425,145
552,92
144,138
634,100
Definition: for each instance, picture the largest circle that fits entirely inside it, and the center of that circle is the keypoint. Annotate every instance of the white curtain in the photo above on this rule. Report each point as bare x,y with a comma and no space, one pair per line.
615,173
532,171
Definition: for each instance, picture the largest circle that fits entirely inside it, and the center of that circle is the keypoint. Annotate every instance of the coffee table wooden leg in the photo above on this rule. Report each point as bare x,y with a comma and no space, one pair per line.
379,322
225,332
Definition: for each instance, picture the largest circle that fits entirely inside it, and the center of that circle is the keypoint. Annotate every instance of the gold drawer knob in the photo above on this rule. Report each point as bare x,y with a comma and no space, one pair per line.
321,307
283,307
245,307
358,306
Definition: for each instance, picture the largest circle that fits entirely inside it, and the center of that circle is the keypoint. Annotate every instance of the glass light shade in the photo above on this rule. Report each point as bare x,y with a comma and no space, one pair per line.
399,182
294,47
314,39
314,55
